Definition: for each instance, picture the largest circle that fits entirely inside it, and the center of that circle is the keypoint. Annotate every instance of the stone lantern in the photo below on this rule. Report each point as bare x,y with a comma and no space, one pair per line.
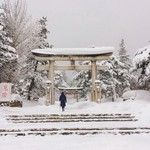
48,92
98,90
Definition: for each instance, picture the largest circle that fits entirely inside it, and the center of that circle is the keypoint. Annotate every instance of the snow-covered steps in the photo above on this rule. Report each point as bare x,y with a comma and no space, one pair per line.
69,124
77,131
54,118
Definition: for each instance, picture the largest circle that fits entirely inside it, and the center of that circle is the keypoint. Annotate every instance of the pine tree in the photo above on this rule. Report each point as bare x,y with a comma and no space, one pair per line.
83,79
43,33
34,80
122,51
59,79
8,56
114,81
26,35
141,68
123,56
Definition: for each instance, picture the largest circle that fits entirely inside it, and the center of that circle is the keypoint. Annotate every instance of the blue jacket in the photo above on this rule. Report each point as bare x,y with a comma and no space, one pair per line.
62,100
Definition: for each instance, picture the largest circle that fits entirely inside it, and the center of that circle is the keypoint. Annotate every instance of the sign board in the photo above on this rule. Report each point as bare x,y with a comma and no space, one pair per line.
5,91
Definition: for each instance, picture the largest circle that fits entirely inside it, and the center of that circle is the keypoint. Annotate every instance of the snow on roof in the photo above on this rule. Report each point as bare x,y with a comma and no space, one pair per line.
142,54
74,51
70,88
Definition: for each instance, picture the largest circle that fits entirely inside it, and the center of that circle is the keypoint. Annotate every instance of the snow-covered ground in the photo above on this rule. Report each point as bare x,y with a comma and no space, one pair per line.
139,107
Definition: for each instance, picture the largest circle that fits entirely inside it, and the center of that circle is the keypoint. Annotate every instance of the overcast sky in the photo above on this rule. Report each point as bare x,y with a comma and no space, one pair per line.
83,23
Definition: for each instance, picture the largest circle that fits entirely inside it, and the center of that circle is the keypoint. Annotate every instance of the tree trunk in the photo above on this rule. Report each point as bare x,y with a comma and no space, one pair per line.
32,83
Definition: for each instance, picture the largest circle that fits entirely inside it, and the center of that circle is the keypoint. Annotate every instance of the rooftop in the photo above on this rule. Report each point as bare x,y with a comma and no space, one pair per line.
74,51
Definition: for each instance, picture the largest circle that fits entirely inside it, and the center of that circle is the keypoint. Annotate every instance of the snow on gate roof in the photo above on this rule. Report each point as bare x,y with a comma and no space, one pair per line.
74,51
70,88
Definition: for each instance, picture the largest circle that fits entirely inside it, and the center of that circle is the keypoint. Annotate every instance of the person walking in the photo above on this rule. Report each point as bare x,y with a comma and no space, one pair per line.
63,100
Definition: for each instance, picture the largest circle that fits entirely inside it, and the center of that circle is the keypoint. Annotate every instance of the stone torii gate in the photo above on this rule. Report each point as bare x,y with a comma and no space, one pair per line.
72,55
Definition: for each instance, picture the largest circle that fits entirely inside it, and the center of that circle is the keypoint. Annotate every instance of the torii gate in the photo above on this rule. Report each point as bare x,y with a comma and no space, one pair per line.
72,55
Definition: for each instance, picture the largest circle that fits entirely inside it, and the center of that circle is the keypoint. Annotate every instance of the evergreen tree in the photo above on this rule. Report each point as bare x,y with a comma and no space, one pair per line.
122,51
59,79
25,36
34,80
141,68
114,81
123,56
43,33
83,79
8,56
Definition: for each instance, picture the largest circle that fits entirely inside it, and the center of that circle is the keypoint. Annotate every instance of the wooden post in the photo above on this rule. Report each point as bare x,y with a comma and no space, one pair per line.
94,70
77,95
51,77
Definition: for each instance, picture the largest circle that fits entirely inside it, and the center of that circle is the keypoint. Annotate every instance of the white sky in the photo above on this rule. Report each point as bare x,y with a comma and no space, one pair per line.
83,23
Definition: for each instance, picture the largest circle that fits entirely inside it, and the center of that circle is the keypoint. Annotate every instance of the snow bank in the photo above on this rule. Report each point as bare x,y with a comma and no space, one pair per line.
137,95
16,97
140,108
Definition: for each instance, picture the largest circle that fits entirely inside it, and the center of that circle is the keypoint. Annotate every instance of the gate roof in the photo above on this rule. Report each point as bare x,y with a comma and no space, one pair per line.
73,51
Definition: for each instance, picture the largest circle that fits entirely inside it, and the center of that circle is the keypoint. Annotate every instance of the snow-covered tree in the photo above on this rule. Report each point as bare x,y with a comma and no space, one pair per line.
114,81
82,79
43,33
141,68
123,56
59,79
122,51
32,77
20,27
43,43
26,35
8,56
19,24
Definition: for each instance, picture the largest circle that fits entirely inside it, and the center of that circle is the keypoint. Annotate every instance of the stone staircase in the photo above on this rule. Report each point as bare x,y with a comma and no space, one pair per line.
42,124
70,131
70,118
